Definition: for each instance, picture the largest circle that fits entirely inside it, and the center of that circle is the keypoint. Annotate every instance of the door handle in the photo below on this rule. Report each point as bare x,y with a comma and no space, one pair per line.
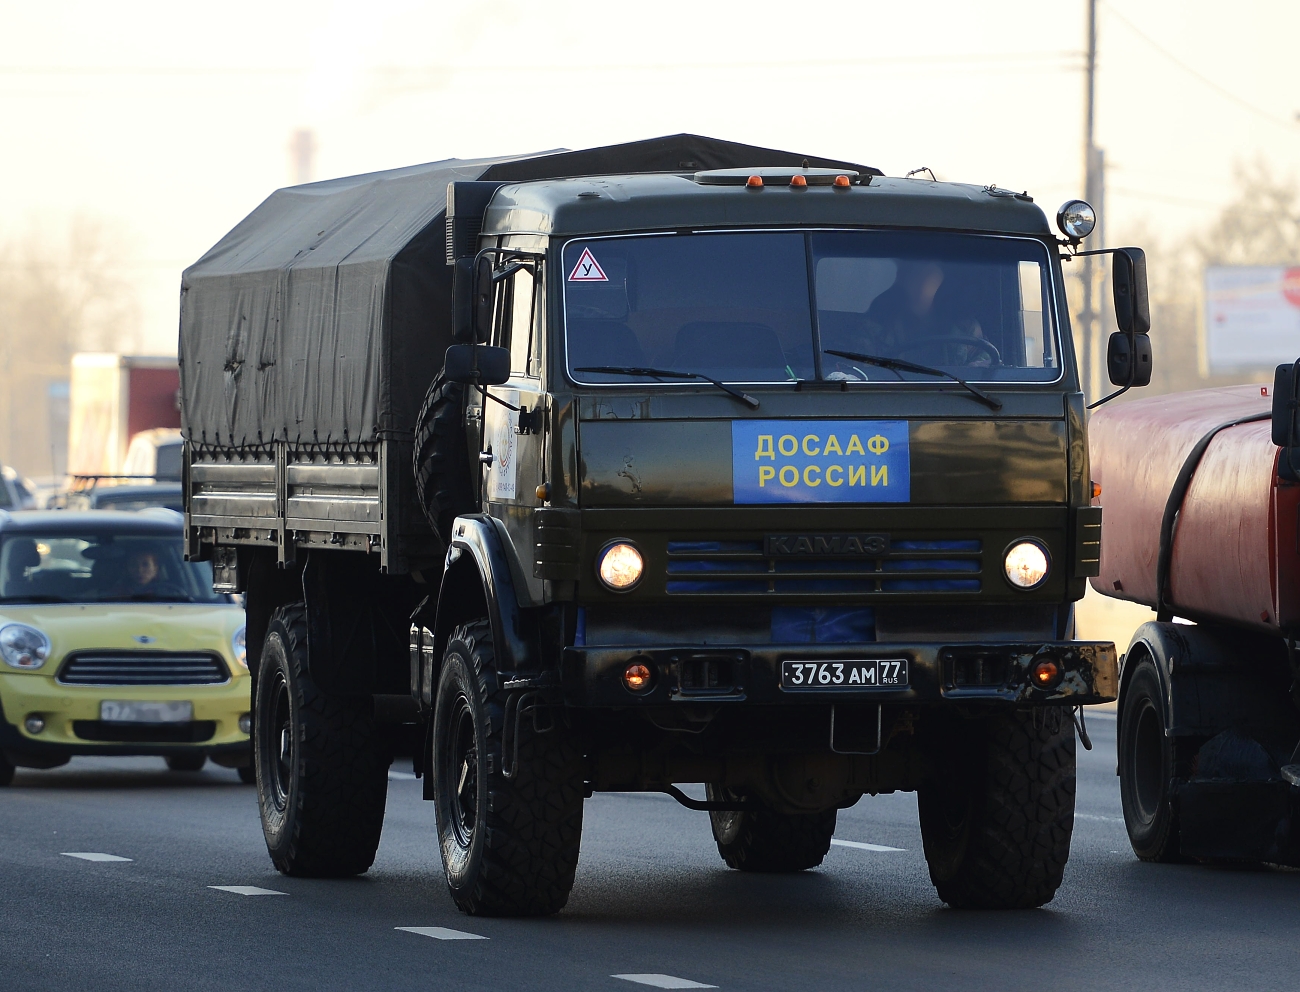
486,457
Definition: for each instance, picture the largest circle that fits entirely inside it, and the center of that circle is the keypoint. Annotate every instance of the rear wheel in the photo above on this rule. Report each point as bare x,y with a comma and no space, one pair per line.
321,768
997,816
1146,767
187,761
508,799
766,841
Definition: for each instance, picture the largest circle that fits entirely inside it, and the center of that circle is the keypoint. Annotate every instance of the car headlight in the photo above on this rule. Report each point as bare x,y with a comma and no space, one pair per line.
620,566
1026,564
239,645
22,646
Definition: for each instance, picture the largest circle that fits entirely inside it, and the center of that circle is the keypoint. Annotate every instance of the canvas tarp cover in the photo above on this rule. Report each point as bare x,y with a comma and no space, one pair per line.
323,316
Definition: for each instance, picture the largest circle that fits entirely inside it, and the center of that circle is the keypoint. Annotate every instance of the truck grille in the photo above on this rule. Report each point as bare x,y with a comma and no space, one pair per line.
143,668
742,567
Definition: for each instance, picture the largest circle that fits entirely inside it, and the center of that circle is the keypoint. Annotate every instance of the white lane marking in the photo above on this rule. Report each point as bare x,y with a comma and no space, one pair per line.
247,890
401,776
442,933
1099,819
664,981
864,847
94,856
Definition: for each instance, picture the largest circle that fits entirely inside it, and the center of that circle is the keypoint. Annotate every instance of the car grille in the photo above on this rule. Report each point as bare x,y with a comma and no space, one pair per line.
742,567
143,668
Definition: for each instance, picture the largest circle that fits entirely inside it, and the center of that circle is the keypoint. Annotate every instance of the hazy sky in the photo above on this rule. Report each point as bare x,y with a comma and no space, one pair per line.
173,120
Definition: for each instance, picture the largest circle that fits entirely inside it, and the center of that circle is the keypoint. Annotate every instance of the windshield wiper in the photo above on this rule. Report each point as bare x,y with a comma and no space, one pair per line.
897,365
669,374
34,599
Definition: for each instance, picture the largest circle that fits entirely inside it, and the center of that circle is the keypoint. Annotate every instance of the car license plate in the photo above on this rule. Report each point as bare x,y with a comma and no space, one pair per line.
113,711
875,673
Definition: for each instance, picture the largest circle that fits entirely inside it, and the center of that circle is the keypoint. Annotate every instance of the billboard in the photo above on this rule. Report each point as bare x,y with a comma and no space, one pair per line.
1252,316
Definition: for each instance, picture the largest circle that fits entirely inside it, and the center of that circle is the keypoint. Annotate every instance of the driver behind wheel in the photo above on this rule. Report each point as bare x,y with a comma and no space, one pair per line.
915,315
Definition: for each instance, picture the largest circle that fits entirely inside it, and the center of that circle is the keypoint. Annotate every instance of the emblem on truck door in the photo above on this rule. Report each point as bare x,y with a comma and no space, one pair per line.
820,461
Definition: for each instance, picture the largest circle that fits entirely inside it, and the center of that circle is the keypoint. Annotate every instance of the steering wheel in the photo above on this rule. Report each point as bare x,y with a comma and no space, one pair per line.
943,343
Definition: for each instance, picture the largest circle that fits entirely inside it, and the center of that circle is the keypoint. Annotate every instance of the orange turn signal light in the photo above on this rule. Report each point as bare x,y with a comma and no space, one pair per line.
798,181
1045,673
842,181
637,676
754,182
1096,489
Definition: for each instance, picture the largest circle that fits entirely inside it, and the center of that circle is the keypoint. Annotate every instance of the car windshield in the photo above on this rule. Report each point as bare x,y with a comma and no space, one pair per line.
770,306
101,568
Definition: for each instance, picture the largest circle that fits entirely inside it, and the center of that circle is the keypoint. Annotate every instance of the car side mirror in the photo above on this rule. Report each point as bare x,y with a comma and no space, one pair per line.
1286,419
1128,359
477,365
484,297
1129,279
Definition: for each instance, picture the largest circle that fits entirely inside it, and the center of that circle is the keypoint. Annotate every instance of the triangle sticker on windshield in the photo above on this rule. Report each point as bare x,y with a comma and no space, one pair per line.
588,269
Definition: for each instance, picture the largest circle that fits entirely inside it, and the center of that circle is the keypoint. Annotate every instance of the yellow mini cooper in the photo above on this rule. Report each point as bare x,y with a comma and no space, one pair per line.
111,643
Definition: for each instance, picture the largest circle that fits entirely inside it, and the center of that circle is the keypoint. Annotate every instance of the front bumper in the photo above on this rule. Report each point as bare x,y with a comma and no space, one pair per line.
72,727
989,673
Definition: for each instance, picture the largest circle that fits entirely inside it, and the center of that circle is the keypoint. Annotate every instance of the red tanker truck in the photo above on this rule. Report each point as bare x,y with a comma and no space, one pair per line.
1202,510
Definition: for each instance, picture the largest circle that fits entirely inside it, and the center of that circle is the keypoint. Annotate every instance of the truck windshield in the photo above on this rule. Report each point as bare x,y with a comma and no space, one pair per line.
768,306
101,568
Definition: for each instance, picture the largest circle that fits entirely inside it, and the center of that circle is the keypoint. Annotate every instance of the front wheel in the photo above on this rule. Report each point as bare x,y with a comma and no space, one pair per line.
321,769
998,812
766,841
1146,767
508,787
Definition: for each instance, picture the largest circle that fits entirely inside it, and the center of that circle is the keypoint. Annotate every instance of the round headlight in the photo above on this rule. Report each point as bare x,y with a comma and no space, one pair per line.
22,646
239,645
1076,219
1026,564
620,566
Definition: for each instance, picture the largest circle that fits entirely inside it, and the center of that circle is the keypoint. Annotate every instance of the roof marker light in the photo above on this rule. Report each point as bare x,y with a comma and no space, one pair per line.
798,180
754,182
841,182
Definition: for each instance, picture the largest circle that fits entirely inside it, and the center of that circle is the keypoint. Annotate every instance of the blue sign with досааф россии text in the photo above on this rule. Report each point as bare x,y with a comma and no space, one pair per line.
820,461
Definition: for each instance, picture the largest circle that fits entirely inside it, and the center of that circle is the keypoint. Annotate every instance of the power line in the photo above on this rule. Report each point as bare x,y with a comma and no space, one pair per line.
1227,94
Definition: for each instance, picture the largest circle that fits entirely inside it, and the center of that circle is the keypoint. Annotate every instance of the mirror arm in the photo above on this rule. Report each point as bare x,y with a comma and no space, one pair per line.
1118,392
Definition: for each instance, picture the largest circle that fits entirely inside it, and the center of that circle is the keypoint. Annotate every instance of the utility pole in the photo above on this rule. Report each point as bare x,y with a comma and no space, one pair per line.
1092,179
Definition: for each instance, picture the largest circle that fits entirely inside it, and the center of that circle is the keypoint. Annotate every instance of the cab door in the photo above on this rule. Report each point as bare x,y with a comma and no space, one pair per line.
514,444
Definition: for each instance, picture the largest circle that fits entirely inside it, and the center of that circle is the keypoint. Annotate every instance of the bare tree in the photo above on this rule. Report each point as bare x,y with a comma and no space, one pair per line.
1261,226
61,291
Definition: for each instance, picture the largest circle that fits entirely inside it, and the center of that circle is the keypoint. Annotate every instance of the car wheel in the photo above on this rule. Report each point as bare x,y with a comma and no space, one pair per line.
1146,760
187,761
320,764
508,808
247,774
767,841
998,813
6,770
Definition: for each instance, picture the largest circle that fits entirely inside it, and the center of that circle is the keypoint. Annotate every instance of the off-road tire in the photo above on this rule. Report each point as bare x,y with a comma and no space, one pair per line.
186,761
997,814
1146,767
509,845
443,482
320,762
767,841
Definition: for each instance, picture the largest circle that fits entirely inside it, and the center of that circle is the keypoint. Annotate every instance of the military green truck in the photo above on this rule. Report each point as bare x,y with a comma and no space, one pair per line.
672,462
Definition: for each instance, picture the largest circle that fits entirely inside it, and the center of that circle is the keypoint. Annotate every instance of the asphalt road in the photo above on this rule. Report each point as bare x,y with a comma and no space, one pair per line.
652,898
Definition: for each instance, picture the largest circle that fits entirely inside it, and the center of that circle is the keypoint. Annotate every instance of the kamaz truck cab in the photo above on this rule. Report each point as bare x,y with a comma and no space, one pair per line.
772,479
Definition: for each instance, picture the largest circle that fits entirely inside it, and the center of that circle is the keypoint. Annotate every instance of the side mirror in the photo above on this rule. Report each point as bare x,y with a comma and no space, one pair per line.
477,365
462,301
484,297
1286,420
1129,279
1128,359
